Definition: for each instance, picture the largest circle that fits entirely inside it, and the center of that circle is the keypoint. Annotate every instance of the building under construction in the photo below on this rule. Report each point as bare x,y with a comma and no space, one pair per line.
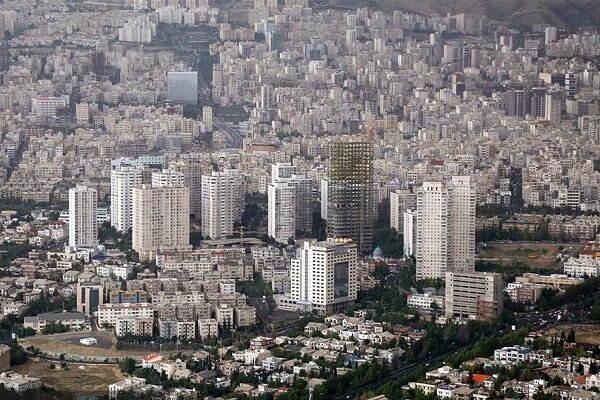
350,192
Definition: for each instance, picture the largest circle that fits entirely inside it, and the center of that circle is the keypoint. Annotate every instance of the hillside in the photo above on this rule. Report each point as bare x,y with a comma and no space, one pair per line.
567,14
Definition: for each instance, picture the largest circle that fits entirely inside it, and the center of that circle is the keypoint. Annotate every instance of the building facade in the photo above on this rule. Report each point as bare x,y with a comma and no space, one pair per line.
350,193
324,276
83,225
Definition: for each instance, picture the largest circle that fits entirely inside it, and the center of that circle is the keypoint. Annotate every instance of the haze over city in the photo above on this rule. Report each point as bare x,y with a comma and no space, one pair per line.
299,200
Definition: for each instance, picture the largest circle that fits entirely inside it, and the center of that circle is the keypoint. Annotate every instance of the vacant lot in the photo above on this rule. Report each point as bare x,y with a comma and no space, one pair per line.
536,255
68,343
82,380
584,333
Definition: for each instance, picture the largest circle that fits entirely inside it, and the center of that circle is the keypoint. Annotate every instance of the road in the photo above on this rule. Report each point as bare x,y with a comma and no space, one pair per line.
231,131
538,321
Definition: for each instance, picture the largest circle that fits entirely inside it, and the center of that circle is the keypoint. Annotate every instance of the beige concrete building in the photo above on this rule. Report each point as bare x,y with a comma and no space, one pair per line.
474,295
160,219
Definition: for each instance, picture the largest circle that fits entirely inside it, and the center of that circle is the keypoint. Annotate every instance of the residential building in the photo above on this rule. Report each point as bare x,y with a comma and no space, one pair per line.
474,295
83,225
122,182
445,228
160,219
324,276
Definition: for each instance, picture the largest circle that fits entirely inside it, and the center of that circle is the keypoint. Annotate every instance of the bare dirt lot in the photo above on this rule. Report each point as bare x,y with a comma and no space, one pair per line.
584,333
537,255
68,343
89,380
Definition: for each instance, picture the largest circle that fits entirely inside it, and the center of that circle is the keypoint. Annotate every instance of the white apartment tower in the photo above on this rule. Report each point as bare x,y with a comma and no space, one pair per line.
238,193
122,182
83,225
461,224
217,205
400,201
281,211
445,230
323,276
167,178
410,232
160,219
207,118
290,202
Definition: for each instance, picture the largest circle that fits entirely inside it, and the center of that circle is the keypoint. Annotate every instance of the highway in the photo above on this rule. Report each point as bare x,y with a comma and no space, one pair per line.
231,131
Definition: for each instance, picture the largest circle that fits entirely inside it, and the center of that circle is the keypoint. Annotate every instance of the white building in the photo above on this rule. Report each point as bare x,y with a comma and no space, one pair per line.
167,178
281,211
425,301
111,313
400,202
409,232
290,202
323,276
217,205
583,266
47,106
161,219
83,226
445,227
474,295
122,182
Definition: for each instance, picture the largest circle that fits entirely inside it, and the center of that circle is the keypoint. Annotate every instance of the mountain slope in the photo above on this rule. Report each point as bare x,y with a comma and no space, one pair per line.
567,14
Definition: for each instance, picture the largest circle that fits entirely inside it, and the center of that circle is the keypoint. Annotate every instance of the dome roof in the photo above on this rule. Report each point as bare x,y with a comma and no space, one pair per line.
378,253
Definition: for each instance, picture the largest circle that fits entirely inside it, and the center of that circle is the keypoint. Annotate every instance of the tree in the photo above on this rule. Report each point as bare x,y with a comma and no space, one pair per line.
571,337
128,365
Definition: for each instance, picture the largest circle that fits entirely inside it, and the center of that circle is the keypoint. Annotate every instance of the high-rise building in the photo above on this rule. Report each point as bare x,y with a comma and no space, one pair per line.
400,201
323,276
217,205
537,102
445,227
238,192
160,219
553,104
167,178
207,118
122,182
410,232
4,56
350,193
281,211
182,87
516,101
288,189
83,225
550,34
191,166
89,296
461,224
474,294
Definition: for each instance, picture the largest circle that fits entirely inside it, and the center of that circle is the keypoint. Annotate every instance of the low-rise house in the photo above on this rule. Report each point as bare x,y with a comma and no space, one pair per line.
72,320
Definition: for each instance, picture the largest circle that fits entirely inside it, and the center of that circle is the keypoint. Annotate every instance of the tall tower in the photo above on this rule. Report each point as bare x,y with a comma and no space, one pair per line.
122,182
281,211
191,165
445,228
461,224
161,219
83,226
217,205
432,231
350,193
